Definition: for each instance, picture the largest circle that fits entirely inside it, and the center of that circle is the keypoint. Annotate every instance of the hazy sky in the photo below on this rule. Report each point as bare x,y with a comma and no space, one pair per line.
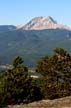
21,11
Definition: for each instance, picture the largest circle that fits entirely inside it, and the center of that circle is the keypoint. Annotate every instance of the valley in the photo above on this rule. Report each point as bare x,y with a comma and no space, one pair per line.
32,42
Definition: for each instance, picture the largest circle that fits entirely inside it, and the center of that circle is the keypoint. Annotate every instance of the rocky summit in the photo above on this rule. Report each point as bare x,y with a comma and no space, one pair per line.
40,23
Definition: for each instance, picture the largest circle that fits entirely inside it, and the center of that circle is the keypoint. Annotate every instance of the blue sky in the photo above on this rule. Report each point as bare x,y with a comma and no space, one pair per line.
21,11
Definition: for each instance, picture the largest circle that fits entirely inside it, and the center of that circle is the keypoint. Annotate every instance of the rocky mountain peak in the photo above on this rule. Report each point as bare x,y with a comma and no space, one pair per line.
42,20
40,23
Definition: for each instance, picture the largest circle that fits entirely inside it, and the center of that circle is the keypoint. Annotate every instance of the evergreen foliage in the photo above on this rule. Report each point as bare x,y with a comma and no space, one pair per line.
57,74
17,86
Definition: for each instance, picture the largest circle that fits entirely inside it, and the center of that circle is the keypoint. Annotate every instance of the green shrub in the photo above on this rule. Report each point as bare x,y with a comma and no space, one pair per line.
56,70
18,86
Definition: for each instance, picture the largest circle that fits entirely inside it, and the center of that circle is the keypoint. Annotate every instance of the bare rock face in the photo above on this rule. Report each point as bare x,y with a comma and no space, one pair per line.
40,23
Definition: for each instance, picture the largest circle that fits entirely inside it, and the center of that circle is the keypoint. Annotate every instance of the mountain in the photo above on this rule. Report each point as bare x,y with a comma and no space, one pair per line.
5,28
33,44
37,23
40,23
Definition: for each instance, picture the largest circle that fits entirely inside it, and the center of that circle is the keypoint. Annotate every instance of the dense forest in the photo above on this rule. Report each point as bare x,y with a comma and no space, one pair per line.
17,86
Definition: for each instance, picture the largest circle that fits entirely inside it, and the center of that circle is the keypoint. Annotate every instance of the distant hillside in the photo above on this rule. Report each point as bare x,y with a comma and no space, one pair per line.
6,28
33,44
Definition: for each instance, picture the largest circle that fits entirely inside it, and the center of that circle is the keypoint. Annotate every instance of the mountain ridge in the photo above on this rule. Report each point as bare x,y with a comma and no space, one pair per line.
37,23
40,23
5,28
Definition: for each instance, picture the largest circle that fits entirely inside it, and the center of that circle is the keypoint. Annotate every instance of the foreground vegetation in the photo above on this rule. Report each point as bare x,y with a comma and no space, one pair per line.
56,71
17,86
